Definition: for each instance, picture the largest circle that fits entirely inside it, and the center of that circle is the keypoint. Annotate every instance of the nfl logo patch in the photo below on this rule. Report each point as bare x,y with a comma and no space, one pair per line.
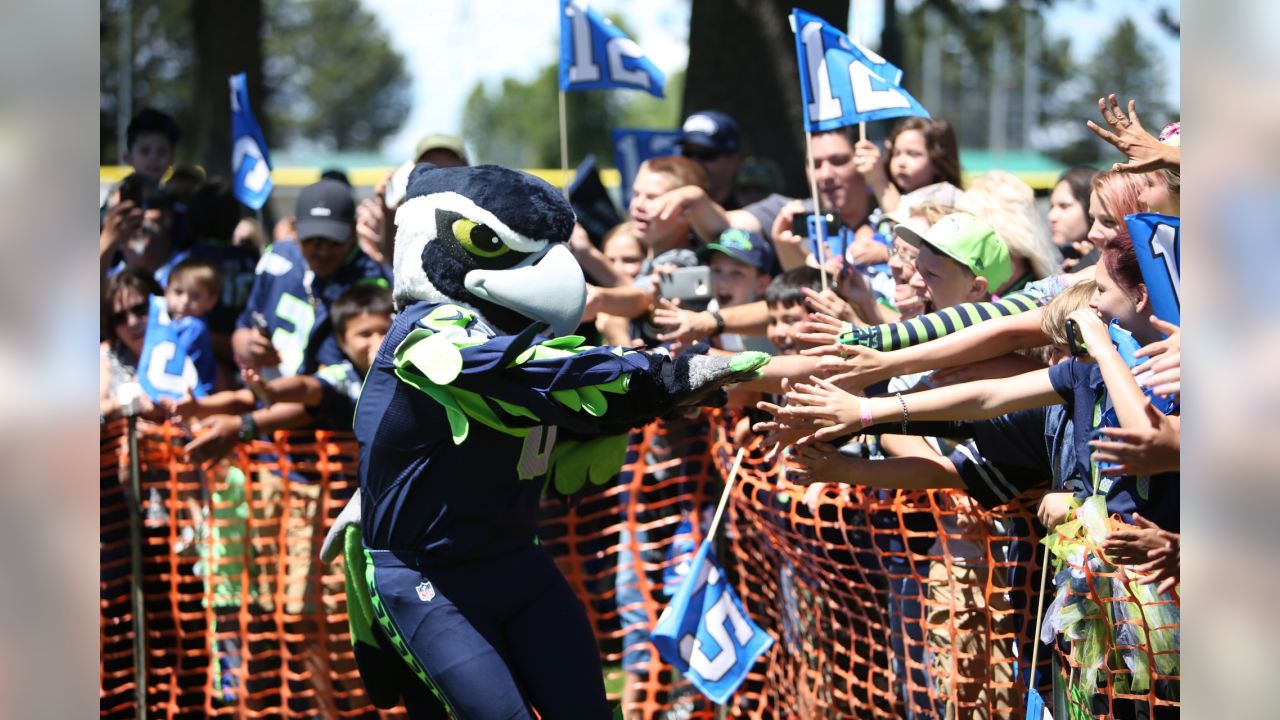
426,591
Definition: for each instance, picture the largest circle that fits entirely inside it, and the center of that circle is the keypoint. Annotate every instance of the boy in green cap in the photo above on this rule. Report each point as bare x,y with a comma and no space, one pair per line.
961,260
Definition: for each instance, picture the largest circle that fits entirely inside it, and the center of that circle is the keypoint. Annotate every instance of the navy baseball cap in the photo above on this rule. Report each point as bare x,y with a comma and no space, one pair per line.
710,128
326,209
745,247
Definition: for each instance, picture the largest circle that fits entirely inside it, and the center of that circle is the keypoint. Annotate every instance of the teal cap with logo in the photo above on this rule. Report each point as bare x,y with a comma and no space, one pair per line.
744,247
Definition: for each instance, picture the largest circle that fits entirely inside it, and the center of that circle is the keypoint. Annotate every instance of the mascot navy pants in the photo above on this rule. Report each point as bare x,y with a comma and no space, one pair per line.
490,638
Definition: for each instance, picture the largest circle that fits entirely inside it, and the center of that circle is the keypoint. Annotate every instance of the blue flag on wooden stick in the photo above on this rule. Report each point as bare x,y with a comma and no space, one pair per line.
705,632
596,55
842,82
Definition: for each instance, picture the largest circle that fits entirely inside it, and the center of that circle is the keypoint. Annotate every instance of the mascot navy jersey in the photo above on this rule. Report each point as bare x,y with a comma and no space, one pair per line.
478,498
177,355
478,401
295,304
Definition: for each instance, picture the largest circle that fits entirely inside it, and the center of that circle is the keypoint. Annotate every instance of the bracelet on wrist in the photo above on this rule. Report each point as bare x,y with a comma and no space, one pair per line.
903,402
715,315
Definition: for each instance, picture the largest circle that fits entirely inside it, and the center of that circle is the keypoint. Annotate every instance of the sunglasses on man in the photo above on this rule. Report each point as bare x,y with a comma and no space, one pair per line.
699,155
138,310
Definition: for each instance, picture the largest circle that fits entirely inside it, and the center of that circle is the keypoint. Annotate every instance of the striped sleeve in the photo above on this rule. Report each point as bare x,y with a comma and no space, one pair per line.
895,336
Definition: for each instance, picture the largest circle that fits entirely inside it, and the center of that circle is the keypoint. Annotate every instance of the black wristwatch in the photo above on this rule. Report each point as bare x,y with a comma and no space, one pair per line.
248,428
719,322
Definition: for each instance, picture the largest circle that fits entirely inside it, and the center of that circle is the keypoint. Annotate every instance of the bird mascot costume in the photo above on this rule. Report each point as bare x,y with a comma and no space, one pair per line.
479,400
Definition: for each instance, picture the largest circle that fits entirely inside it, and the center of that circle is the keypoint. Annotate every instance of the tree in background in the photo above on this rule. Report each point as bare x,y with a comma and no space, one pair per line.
742,61
329,75
517,124
1006,80
162,65
1128,65
336,80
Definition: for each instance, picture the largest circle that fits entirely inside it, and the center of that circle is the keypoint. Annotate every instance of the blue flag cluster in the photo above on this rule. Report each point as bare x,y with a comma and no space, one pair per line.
842,82
1156,241
631,147
250,166
706,634
596,55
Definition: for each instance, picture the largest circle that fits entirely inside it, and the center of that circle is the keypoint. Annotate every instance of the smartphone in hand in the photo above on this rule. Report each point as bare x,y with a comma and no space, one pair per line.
690,285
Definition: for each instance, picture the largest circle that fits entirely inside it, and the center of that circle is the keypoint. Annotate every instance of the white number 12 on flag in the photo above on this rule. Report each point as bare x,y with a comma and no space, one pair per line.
825,104
585,68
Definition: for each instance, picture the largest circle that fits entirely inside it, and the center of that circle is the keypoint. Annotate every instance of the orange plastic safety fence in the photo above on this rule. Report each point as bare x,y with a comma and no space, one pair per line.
619,546
241,619
883,604
1123,659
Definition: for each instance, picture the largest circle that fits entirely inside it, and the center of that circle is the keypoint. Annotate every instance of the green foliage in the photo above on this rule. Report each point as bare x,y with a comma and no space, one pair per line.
331,74
517,123
1129,66
162,62
336,79
967,32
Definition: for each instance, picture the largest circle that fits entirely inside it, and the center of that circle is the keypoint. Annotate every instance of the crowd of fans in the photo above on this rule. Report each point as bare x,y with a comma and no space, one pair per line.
906,300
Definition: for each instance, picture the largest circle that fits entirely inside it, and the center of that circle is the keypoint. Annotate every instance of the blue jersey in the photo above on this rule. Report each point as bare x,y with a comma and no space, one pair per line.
296,303
459,428
339,391
177,355
237,265
1085,396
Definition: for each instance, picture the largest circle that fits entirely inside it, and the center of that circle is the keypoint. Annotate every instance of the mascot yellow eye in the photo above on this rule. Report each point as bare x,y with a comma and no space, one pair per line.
478,239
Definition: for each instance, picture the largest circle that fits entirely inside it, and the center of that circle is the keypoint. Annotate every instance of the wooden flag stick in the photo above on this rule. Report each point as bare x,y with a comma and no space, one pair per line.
817,208
564,149
724,496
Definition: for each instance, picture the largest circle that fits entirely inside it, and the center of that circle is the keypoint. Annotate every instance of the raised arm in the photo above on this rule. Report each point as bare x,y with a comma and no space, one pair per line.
1126,396
939,324
862,366
836,412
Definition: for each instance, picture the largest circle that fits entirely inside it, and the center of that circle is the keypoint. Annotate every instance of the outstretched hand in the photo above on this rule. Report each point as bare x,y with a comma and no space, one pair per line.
685,326
824,405
1162,370
1150,549
822,329
1127,135
1140,451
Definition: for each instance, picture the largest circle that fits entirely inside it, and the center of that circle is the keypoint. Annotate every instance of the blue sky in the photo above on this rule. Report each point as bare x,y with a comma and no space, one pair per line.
449,45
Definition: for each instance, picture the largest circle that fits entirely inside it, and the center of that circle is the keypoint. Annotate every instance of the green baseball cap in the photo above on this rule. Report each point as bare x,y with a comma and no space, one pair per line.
970,242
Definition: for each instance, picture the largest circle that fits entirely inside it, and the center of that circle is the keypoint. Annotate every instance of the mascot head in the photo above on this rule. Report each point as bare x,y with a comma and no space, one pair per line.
492,239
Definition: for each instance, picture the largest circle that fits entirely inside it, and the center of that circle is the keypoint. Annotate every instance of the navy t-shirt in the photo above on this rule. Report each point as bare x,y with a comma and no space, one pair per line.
295,304
1156,497
1017,452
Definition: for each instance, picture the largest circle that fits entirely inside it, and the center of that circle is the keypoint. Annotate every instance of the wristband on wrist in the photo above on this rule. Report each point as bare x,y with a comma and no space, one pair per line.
866,414
248,428
715,315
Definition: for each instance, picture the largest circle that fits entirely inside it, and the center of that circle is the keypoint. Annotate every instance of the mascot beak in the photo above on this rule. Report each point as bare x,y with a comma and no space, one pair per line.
552,290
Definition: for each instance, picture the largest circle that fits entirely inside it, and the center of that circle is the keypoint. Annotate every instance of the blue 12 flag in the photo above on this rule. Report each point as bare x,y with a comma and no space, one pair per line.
842,82
1156,241
250,166
631,147
706,634
596,55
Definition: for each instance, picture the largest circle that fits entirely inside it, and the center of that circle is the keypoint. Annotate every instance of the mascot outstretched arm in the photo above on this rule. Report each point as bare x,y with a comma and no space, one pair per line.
479,399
